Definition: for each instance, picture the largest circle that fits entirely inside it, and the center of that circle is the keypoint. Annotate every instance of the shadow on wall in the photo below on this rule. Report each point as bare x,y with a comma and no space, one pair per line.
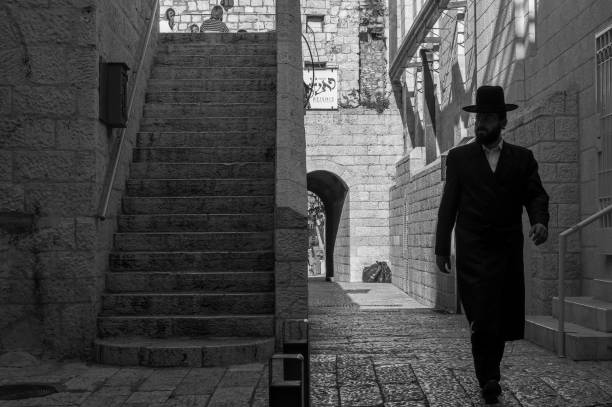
332,190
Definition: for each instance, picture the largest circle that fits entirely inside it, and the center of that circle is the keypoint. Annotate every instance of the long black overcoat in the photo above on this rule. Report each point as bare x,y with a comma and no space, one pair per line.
487,208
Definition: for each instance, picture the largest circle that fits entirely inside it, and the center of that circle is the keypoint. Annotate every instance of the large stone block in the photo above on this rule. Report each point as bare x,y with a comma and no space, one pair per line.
27,132
45,165
79,320
11,198
61,199
63,25
291,244
49,100
6,166
5,100
556,151
291,289
69,290
68,265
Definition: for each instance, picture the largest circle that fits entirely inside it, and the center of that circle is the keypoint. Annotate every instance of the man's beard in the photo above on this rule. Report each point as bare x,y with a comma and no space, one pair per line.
487,137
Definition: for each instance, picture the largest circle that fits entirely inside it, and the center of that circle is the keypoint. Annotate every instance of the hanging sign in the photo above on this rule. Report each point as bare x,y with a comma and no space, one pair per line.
324,94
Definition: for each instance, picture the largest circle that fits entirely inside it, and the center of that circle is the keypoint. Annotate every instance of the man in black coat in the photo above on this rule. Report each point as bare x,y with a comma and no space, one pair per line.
487,184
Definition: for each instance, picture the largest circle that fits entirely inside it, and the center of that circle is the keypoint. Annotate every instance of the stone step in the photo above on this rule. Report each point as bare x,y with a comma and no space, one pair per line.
581,343
155,282
197,223
207,85
182,352
250,38
603,289
192,261
262,138
217,72
189,110
209,204
186,60
166,326
197,48
203,154
194,241
213,97
204,124
188,303
586,311
201,170
200,187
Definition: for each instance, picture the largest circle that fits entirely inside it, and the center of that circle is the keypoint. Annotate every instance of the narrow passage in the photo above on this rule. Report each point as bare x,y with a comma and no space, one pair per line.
372,345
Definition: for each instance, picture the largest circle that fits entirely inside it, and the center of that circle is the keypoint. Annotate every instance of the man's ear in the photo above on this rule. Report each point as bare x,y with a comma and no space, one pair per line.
504,123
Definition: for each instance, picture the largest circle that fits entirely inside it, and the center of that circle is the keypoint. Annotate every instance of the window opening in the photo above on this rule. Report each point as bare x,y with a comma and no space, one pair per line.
315,22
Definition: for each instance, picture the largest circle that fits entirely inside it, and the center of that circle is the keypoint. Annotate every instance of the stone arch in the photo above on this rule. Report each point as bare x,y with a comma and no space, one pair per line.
333,191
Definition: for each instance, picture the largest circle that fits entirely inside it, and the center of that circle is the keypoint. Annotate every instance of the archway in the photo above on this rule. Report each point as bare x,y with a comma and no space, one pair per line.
333,191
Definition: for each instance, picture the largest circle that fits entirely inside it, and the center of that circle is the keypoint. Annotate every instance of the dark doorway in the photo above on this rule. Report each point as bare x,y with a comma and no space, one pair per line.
332,190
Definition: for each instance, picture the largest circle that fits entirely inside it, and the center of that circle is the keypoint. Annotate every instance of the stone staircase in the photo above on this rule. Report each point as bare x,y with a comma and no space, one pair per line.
588,325
191,279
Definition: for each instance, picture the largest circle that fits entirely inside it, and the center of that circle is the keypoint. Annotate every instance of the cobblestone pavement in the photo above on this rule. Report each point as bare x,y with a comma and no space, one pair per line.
377,351
371,345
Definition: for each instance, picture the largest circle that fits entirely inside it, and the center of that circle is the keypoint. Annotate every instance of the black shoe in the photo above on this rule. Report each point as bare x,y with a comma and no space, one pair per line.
490,391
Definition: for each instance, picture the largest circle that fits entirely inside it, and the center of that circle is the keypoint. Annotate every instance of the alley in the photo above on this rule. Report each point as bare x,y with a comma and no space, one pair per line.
371,348
371,344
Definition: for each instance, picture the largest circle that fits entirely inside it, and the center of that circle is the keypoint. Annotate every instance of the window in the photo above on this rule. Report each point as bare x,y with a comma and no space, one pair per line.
315,23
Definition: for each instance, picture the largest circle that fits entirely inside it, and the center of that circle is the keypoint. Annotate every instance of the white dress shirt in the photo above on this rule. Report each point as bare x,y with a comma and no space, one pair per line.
492,154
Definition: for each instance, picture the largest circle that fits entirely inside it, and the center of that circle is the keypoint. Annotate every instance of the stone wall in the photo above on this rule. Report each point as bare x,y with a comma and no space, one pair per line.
291,197
358,144
52,151
548,129
414,212
250,15
544,58
361,147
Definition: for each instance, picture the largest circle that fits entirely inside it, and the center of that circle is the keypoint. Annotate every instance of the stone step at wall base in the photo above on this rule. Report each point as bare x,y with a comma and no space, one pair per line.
200,187
194,241
182,352
201,170
187,303
211,139
226,281
203,154
167,326
581,343
186,60
207,85
208,204
218,38
189,110
603,289
197,223
208,124
192,261
217,72
586,311
213,97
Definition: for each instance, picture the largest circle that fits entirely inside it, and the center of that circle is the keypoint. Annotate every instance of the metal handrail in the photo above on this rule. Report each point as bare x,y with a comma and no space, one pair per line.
109,185
562,248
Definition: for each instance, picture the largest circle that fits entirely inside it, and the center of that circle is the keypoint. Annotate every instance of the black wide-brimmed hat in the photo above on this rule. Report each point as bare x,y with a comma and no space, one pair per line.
490,99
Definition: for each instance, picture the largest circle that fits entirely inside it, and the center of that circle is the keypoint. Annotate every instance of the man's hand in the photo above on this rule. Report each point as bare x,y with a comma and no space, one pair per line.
443,263
538,234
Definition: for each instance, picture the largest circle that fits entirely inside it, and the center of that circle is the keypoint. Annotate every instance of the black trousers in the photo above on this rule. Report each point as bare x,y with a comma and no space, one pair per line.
487,350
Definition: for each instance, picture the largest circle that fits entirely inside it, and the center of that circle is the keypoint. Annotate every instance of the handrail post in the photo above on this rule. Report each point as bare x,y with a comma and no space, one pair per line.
561,333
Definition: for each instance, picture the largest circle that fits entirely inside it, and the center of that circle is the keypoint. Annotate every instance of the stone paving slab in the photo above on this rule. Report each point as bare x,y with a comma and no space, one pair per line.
360,357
